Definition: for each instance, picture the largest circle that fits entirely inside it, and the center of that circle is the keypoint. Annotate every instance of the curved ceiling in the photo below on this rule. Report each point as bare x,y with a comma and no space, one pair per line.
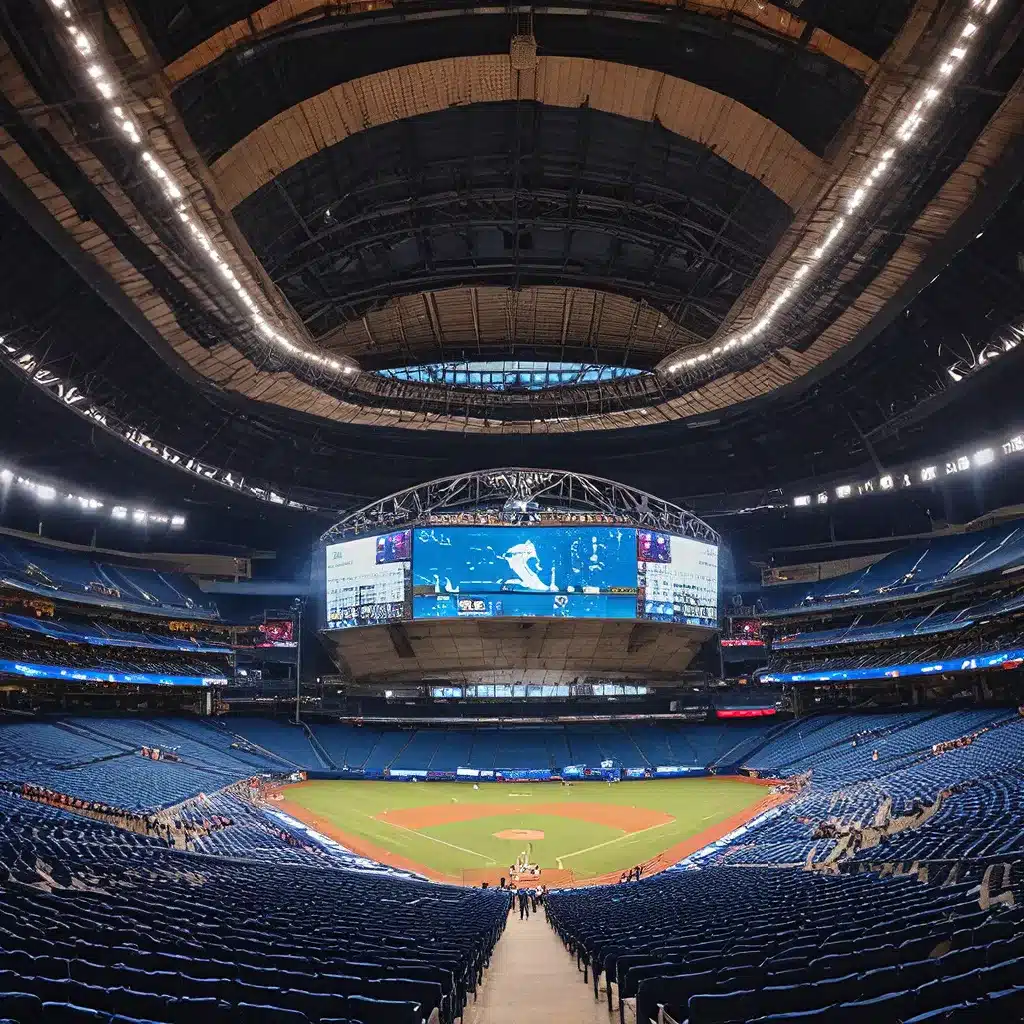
746,139
513,195
903,406
807,94
190,36
404,193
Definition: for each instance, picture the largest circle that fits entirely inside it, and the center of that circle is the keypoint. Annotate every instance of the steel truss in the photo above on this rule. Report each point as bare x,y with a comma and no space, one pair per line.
687,254
517,495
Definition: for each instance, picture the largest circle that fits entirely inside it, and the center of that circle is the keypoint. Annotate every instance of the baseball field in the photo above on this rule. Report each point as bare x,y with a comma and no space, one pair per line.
577,833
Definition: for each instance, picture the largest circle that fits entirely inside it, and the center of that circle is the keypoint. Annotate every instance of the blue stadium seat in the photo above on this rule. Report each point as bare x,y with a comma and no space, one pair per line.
367,1010
68,1013
22,1006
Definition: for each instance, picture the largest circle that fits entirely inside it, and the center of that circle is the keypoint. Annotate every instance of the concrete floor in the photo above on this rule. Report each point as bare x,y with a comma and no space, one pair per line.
533,978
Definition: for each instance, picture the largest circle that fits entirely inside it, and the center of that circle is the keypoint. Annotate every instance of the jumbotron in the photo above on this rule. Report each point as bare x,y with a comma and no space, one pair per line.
549,575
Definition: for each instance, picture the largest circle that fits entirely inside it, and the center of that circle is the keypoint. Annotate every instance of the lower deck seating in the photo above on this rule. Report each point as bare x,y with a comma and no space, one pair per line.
156,935
259,924
547,748
732,944
918,787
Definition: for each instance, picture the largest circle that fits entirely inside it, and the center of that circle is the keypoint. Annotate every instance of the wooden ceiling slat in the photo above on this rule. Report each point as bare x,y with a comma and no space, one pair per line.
749,141
279,14
225,365
533,315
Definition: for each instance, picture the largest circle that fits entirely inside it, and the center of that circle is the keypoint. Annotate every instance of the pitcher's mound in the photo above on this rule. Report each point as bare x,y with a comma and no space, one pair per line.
519,833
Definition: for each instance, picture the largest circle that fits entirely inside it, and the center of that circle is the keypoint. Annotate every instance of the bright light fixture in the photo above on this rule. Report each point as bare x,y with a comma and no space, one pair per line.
174,190
787,289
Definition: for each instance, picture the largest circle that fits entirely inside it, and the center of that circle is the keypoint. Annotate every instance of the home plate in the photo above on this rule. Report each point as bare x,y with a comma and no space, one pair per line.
519,833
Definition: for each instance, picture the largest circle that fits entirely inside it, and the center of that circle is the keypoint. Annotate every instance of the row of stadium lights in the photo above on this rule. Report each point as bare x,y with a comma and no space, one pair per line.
48,493
940,76
927,474
104,81
72,397
991,352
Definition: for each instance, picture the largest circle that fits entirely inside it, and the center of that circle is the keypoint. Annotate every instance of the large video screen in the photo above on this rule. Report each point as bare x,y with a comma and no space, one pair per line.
678,579
368,580
549,571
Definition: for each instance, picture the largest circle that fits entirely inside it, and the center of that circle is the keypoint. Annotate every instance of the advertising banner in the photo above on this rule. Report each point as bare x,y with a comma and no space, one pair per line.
31,670
997,659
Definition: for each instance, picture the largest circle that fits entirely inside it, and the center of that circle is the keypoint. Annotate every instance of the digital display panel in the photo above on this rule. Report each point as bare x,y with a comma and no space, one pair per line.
677,578
368,580
539,571
95,675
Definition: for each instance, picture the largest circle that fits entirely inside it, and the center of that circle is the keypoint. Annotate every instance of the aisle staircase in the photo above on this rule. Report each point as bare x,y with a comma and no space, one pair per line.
531,978
319,750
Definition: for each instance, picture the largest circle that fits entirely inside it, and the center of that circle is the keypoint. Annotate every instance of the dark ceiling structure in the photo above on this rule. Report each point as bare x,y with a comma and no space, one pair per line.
515,196
622,183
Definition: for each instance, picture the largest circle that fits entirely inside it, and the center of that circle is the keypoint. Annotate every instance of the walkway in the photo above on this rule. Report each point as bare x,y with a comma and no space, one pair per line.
533,978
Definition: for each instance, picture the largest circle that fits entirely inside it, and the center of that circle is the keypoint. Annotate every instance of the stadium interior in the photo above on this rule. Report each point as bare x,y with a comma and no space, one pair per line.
511,513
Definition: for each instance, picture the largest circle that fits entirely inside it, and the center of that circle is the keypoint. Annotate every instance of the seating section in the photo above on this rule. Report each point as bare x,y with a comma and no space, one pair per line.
129,928
59,572
954,777
913,626
98,759
731,944
971,643
489,748
916,569
282,738
264,835
840,748
44,659
261,921
100,634
981,820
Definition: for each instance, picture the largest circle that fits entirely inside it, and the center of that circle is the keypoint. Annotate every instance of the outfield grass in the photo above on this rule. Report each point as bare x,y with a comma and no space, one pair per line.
588,848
